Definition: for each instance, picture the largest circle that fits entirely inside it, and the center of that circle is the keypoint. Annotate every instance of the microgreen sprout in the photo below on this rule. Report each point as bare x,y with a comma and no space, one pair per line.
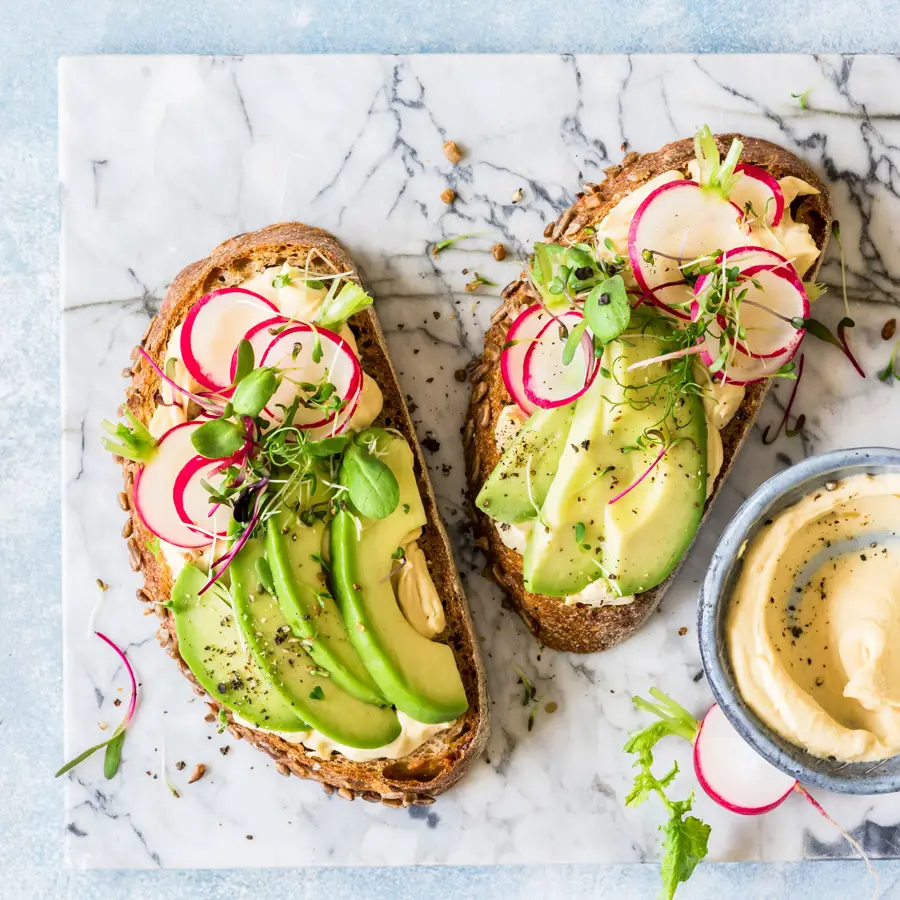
479,281
803,98
801,419
448,242
131,442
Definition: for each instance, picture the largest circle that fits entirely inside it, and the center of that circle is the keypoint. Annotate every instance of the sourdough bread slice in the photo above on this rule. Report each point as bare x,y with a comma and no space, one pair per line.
435,766
581,628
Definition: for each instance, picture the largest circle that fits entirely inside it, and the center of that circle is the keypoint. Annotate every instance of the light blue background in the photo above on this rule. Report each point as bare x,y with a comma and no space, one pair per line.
33,34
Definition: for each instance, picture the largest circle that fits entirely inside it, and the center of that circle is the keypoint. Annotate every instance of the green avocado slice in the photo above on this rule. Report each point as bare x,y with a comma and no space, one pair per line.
293,551
293,673
417,675
209,643
518,486
636,541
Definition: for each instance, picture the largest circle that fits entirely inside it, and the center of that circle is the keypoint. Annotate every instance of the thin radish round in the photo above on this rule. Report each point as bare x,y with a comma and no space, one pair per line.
154,485
740,368
548,382
762,191
756,256
192,500
780,295
214,328
314,356
260,336
733,773
527,326
680,222
672,298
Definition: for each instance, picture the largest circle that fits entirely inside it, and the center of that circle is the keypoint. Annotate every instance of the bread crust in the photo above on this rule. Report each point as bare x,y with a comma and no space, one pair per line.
581,628
430,770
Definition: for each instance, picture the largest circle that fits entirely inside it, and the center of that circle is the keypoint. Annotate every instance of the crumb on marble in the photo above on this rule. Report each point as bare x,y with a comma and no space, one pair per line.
452,152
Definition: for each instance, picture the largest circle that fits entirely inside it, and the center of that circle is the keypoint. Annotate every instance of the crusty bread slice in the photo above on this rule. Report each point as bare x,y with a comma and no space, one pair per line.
581,628
434,767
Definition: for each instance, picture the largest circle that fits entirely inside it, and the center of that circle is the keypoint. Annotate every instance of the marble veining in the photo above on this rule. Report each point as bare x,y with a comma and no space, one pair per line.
163,157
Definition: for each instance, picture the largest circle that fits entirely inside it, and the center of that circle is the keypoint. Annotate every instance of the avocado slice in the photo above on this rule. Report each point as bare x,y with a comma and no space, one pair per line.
293,551
209,643
417,675
518,486
637,541
292,672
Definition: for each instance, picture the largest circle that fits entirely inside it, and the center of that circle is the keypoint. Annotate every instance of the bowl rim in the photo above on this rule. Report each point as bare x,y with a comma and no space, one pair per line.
712,603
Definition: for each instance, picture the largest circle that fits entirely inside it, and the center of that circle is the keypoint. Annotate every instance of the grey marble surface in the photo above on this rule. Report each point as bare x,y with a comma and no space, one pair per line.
162,158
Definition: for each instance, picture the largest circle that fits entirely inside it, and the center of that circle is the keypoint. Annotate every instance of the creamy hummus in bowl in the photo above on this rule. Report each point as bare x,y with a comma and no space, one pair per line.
799,621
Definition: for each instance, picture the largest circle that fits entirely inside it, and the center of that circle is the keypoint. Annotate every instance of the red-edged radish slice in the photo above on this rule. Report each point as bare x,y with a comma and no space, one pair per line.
527,326
762,191
683,221
740,368
292,353
549,383
154,486
733,773
260,336
672,297
755,256
214,328
781,296
191,499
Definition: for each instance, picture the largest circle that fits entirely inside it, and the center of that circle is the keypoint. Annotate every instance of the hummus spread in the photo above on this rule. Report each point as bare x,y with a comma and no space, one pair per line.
813,626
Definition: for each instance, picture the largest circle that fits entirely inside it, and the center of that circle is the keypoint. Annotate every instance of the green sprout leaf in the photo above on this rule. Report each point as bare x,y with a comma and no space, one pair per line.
133,442
317,348
317,693
607,309
686,843
443,245
572,342
218,439
803,98
113,755
715,174
223,720
579,532
253,392
371,485
478,281
264,574
283,280
348,301
245,361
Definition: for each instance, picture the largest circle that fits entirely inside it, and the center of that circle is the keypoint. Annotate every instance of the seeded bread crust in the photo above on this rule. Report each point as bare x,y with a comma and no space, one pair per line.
581,628
419,777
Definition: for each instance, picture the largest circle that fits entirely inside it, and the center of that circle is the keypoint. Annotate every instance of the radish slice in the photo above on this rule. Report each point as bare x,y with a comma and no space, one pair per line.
669,297
527,326
292,353
733,773
782,294
741,368
755,256
214,328
548,382
260,336
680,220
762,191
191,499
154,485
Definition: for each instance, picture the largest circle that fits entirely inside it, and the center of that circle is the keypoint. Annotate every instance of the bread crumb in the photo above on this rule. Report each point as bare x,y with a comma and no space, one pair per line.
448,195
452,152
517,196
499,252
551,707
682,631
198,773
180,764
887,332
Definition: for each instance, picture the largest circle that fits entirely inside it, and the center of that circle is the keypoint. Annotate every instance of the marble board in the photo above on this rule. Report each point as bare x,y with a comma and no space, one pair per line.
163,157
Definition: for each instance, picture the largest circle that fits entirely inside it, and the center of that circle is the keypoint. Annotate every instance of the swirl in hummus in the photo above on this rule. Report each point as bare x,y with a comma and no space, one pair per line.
813,626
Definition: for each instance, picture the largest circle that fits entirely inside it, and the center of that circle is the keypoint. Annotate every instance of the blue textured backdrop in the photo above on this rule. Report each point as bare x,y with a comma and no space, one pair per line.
33,35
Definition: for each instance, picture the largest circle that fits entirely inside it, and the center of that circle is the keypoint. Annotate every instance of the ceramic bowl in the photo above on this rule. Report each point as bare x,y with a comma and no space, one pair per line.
774,495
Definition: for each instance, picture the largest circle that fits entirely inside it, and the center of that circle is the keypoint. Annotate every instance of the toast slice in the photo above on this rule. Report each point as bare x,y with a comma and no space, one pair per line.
581,628
435,766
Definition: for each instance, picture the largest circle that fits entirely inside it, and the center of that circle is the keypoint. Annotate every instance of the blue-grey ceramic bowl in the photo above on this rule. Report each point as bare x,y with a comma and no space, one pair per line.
779,492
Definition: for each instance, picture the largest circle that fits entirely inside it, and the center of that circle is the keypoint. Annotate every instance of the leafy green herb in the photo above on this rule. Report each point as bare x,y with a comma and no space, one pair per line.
889,372
223,720
314,284
398,553
478,281
405,507
371,485
443,245
252,394
264,574
348,301
317,348
113,755
821,331
132,442
803,98
686,837
716,175
218,438
607,310
317,693
579,532
245,363
331,446
281,281
572,341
